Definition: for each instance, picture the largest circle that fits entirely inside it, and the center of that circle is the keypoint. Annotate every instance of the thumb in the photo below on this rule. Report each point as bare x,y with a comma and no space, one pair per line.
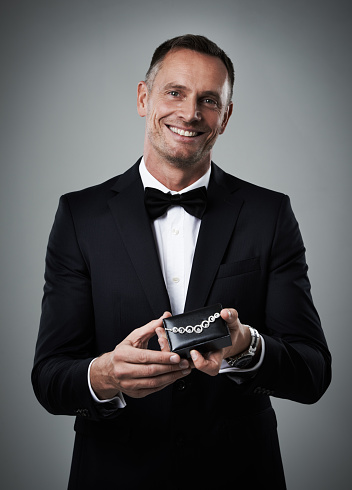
230,315
140,336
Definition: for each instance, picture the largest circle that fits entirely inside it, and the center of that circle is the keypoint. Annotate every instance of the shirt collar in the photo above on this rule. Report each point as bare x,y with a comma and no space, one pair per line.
149,181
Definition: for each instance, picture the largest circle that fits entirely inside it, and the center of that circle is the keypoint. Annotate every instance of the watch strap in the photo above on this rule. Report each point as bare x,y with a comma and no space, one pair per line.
250,352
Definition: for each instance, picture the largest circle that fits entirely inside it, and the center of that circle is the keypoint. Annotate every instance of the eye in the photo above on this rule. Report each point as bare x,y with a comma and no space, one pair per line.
174,93
210,101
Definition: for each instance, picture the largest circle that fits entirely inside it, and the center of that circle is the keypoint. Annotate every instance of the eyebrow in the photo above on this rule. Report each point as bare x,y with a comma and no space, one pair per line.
174,85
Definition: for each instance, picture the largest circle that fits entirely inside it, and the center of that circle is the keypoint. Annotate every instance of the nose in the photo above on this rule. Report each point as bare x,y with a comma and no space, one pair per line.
189,111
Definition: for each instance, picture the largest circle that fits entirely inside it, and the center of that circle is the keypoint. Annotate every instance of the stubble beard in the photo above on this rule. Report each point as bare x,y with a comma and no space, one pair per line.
183,162
177,159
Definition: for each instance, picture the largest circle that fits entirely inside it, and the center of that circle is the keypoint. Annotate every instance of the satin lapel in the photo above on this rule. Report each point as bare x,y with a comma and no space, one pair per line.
133,223
215,232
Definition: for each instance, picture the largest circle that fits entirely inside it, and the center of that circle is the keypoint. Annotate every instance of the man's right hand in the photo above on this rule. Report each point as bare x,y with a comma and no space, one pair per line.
133,369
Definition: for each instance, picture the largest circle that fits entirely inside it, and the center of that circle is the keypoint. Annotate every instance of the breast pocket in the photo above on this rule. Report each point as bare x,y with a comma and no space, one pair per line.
239,267
241,285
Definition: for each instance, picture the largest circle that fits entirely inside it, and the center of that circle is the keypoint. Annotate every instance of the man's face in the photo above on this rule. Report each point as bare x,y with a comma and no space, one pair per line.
186,108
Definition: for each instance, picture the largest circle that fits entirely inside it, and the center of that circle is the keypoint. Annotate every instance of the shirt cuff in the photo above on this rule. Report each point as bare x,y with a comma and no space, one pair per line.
118,399
235,373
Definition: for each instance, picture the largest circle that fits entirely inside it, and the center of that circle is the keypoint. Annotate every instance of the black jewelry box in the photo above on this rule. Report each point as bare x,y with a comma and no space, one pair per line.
202,329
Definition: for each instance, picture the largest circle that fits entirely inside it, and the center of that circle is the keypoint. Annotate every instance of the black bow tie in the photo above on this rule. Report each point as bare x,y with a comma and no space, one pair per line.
157,202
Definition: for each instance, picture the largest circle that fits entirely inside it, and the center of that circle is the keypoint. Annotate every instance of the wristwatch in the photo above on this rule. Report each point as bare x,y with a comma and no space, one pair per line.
245,358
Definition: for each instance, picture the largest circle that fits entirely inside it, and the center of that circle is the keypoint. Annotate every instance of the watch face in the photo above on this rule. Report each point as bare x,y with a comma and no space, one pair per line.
243,362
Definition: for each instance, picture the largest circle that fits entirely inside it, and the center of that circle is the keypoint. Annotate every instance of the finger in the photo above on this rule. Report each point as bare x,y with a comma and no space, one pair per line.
240,334
142,335
209,363
230,315
162,339
140,387
157,370
127,353
166,314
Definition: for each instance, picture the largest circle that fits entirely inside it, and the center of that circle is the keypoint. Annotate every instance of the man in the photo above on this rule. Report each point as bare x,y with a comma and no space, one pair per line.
145,417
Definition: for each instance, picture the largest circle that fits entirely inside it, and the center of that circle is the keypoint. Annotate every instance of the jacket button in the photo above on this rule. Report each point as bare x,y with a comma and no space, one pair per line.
180,441
82,412
181,384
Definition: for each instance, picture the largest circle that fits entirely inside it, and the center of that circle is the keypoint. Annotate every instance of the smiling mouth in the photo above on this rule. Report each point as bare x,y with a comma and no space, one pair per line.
182,132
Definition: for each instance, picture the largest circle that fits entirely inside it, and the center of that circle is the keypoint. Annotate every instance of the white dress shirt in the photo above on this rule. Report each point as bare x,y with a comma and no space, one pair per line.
176,234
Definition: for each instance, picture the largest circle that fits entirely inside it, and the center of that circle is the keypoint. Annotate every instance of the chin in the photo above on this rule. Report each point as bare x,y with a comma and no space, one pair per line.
181,163
186,161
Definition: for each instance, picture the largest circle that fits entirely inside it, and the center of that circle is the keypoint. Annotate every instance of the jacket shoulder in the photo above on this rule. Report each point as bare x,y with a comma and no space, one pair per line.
101,193
98,191
244,189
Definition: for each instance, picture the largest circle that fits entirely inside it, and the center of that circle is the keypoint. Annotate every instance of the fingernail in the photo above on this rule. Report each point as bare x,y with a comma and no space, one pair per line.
229,313
174,358
184,364
194,355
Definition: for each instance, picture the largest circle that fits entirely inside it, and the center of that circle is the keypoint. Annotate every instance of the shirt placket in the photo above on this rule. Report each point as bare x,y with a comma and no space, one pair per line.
175,259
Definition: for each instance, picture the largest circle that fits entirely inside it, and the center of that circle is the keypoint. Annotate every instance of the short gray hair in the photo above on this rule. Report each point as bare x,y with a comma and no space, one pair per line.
198,43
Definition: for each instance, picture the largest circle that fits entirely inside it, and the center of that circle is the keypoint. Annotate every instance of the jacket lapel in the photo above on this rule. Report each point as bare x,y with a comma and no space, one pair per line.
133,223
215,232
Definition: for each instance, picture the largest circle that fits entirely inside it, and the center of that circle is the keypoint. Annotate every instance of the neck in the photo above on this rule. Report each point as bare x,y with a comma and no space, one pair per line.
175,178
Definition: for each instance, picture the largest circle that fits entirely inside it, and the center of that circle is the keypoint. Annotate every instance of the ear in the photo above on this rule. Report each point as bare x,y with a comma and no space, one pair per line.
142,97
226,118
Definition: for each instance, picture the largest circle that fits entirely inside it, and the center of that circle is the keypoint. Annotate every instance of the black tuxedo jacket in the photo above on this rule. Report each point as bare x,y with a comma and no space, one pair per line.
103,280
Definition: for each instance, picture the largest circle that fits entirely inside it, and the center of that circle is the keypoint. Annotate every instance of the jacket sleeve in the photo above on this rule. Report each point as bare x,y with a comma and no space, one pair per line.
297,362
65,345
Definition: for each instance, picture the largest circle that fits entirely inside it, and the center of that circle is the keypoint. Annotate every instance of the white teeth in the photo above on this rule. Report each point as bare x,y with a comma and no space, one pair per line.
181,132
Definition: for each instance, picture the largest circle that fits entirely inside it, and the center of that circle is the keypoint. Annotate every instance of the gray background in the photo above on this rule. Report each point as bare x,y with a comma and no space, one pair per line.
68,120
